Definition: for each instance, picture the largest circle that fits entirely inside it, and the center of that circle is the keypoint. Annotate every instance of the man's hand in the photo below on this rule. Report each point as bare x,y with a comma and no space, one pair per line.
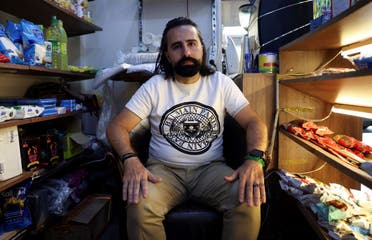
135,180
251,182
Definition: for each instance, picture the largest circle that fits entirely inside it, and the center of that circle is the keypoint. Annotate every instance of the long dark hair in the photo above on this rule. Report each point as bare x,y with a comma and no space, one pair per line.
162,63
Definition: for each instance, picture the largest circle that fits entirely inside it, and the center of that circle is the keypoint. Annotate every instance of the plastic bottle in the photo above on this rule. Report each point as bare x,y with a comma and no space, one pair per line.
47,59
64,56
53,35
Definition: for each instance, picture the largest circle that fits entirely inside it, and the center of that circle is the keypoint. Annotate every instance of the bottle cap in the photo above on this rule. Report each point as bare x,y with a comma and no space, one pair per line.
54,20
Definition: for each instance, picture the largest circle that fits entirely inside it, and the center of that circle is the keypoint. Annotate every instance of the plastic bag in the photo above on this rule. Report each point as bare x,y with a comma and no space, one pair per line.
115,95
15,212
58,193
14,32
8,48
33,43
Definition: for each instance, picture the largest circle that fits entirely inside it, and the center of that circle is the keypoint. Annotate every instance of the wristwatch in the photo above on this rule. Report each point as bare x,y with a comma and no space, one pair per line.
257,153
258,156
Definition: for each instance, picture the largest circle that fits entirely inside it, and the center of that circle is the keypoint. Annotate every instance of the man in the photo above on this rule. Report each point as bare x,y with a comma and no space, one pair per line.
186,103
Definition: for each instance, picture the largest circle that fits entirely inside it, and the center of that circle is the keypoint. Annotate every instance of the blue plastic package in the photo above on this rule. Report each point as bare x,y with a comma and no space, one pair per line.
8,48
33,43
31,33
14,32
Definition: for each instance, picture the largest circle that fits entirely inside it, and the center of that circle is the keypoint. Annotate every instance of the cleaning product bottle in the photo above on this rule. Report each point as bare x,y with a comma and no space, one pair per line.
53,35
64,56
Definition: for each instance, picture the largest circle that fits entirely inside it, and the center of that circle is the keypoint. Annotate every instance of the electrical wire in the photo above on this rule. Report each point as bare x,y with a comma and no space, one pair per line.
287,110
312,171
316,72
187,8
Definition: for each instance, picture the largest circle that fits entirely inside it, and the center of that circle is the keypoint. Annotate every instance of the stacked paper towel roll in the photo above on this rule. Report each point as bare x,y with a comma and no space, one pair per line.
151,41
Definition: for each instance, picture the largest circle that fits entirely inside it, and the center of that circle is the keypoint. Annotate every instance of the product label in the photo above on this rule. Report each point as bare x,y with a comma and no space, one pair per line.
48,53
56,47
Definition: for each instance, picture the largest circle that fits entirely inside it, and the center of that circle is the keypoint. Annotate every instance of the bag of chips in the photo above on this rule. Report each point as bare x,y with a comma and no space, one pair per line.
15,212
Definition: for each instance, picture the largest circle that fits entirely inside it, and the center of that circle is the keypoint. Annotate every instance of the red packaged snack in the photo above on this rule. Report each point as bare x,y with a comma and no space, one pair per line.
323,131
309,125
364,148
345,140
4,59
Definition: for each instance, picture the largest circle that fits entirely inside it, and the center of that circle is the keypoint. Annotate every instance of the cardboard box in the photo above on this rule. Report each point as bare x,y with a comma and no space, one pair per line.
74,140
74,144
86,221
10,159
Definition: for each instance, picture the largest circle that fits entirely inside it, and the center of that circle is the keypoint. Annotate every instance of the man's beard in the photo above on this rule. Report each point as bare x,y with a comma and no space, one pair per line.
187,70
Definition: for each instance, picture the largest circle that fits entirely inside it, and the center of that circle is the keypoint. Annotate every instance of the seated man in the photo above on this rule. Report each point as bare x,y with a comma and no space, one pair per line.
186,103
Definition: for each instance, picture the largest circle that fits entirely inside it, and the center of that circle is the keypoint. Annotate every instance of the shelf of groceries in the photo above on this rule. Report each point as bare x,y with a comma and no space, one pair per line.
18,122
338,162
40,11
36,178
43,71
333,211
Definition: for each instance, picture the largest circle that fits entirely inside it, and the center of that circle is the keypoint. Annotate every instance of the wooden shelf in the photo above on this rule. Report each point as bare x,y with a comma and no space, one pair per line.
351,88
140,77
16,234
353,172
15,180
62,166
41,12
43,71
18,122
318,49
352,25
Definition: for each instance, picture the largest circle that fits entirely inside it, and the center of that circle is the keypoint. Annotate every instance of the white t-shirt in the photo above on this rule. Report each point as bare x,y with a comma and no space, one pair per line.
187,120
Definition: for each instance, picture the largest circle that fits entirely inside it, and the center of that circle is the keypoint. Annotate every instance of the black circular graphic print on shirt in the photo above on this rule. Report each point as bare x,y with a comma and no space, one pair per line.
190,127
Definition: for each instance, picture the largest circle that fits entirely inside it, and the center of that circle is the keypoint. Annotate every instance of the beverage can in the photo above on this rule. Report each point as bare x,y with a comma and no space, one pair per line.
268,62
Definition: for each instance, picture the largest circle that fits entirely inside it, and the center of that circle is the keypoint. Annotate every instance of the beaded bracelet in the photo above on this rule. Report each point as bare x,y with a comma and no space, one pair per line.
125,156
257,159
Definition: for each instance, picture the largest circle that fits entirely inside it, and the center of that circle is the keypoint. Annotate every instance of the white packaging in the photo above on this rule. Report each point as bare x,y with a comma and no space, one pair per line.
10,158
6,113
28,111
47,61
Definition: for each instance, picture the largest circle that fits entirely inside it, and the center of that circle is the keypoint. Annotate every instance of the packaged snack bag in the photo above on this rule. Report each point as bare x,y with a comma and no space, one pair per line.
14,209
33,43
14,32
8,48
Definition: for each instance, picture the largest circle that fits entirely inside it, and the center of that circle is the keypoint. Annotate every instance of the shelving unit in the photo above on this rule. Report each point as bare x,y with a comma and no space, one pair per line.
43,71
15,180
333,87
18,122
320,93
353,171
41,11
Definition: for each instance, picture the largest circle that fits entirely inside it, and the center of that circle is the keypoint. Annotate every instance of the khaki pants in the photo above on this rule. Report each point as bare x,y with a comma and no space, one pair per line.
205,184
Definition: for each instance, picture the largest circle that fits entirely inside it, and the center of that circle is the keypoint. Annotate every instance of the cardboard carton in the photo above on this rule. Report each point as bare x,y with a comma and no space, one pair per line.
86,221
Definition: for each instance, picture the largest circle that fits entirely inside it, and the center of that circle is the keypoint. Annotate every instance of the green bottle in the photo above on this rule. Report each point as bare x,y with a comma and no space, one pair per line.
64,56
53,35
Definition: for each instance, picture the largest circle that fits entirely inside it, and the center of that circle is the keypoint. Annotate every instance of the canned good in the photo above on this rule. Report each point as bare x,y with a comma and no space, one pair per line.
268,62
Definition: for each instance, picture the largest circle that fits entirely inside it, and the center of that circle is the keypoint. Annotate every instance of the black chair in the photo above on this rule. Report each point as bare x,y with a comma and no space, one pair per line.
193,220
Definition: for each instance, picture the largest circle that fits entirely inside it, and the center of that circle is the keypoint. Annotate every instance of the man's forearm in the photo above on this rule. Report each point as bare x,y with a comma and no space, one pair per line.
119,139
256,136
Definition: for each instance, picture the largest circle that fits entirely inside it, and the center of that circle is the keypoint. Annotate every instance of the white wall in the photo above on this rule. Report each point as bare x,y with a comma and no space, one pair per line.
119,20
